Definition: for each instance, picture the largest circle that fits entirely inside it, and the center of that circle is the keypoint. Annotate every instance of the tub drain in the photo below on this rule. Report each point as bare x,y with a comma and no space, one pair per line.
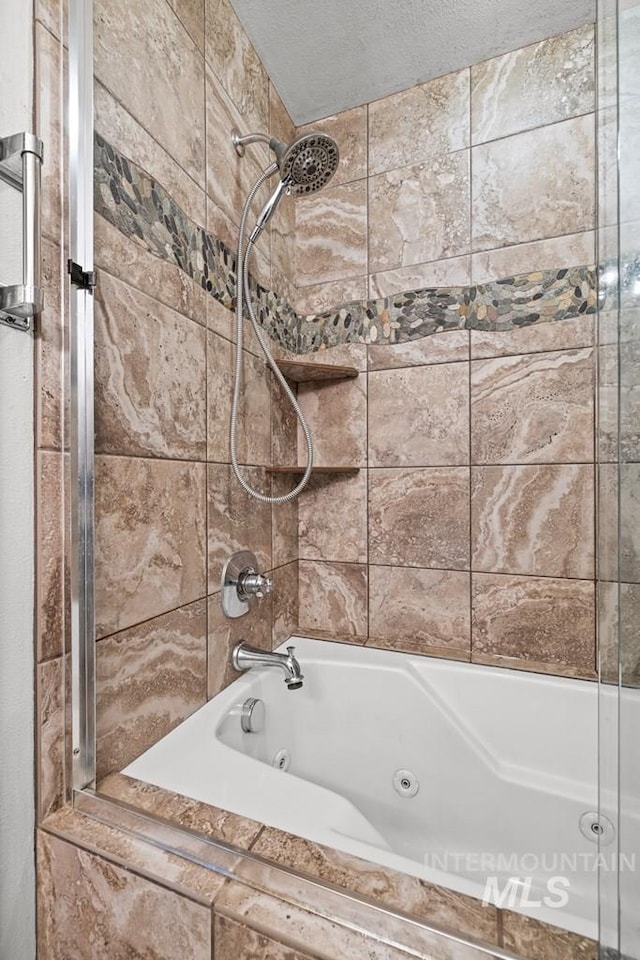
597,828
405,783
282,760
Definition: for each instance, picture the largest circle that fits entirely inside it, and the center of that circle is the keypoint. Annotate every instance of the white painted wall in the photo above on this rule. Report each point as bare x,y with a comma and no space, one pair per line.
17,872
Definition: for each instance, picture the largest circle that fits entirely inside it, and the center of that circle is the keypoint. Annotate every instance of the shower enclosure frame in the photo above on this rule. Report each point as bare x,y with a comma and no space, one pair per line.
356,912
81,394
390,926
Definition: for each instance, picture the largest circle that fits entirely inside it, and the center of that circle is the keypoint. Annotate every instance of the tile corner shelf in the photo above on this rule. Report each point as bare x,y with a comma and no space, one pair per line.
315,470
307,371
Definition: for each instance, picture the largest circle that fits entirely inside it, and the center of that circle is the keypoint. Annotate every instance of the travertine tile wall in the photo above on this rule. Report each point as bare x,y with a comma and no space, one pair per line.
446,183
170,86
400,567
469,530
52,594
90,908
162,372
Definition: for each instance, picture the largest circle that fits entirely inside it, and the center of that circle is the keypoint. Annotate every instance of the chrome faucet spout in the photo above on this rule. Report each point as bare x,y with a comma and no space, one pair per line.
244,657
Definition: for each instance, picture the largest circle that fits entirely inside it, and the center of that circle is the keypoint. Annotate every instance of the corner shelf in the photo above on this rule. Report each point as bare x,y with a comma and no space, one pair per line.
306,371
314,470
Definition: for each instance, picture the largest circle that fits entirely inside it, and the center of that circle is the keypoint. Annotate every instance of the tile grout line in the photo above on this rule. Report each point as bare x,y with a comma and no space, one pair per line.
482,143
147,620
163,149
443,569
487,464
541,126
164,458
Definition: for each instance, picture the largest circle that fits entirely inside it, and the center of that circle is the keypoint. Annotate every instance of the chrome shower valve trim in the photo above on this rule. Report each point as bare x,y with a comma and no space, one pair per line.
242,584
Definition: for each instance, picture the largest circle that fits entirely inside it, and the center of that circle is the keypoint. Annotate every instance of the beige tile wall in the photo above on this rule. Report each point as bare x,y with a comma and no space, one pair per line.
483,173
469,531
93,909
439,428
167,93
52,593
168,510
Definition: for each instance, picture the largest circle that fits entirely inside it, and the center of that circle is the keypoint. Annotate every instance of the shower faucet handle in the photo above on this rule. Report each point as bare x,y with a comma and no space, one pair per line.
252,584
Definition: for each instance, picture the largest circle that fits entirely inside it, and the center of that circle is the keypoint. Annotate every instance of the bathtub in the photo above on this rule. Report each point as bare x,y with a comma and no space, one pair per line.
447,771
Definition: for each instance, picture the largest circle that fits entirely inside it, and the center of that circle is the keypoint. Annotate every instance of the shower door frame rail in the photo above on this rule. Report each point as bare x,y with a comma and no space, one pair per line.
81,390
355,912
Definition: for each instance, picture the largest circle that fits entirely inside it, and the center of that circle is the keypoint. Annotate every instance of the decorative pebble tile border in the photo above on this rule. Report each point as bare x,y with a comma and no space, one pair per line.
500,305
141,208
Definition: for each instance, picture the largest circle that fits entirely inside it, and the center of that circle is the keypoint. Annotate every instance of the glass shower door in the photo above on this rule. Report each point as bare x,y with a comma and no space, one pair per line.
629,477
619,475
619,580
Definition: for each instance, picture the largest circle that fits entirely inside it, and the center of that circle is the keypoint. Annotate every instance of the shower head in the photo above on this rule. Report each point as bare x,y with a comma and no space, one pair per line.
308,162
305,165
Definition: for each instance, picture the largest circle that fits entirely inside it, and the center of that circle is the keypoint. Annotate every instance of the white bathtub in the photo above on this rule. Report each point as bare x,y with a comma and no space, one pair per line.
506,764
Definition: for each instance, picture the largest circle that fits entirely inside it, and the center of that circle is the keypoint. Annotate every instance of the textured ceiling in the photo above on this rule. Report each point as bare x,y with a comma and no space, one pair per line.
327,55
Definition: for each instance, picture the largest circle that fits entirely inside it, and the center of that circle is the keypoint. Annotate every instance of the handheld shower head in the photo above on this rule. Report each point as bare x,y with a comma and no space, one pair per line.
308,162
305,165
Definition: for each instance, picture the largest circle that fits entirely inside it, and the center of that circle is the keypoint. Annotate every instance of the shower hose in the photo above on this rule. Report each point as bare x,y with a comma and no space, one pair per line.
243,294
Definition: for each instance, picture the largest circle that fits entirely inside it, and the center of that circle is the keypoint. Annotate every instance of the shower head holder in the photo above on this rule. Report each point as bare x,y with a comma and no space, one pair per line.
241,142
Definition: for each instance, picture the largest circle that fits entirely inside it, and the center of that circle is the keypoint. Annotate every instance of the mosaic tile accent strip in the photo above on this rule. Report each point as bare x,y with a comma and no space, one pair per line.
520,301
141,208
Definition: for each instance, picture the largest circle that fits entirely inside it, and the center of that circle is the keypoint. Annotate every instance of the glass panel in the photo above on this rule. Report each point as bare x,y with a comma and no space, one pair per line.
629,449
619,454
453,336
607,450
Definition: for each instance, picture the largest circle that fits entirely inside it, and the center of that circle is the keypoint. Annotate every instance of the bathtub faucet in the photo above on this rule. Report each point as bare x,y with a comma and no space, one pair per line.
244,657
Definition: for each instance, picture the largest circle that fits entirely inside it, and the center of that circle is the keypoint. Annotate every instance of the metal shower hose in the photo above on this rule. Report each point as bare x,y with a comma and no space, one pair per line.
242,292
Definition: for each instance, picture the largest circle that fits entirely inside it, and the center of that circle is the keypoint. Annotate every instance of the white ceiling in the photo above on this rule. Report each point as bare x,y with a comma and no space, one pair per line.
327,55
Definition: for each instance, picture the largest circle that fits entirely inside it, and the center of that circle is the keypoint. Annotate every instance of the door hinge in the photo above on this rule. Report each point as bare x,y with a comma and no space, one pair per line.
83,279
